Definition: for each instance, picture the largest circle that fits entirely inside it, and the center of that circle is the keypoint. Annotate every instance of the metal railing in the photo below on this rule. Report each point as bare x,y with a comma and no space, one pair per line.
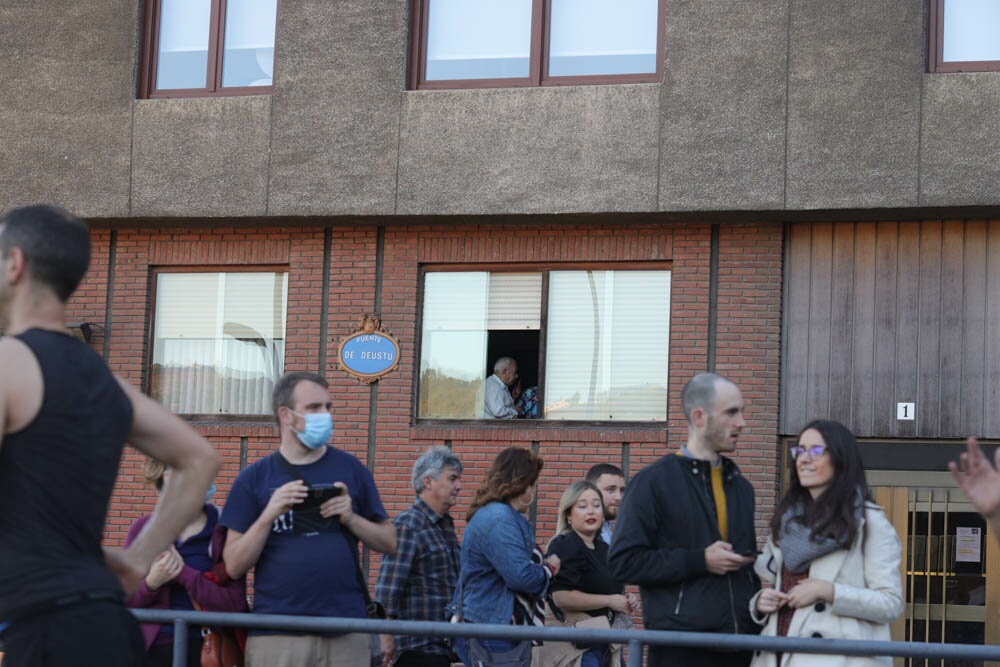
634,639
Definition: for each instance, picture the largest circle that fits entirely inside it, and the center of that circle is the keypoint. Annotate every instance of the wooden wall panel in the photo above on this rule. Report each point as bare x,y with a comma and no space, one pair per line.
881,313
929,343
974,327
795,317
886,293
863,360
842,321
907,323
950,326
991,412
820,280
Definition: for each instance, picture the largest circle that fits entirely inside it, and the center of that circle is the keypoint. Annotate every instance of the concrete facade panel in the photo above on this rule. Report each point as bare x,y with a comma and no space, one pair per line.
200,156
960,157
854,103
722,106
65,103
338,81
85,31
79,162
523,150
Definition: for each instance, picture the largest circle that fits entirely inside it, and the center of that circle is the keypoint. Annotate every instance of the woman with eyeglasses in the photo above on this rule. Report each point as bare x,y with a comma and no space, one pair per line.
831,566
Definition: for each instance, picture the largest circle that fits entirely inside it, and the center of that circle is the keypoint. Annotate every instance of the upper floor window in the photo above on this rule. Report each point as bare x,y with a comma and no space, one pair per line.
965,35
218,341
589,345
208,47
490,43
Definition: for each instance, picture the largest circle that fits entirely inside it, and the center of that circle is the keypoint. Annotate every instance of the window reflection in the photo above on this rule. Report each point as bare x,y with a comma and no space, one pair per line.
182,56
248,59
970,30
485,39
592,37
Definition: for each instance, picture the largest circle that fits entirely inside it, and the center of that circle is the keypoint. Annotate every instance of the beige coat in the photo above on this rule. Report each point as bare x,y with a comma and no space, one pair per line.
867,595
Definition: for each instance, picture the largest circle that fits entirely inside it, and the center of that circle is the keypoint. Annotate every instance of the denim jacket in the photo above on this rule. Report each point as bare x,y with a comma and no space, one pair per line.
496,563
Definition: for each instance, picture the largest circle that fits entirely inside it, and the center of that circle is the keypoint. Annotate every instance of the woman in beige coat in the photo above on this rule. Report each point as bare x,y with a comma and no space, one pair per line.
831,567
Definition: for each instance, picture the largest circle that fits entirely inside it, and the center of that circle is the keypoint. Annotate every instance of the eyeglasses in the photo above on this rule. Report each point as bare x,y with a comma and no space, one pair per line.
814,451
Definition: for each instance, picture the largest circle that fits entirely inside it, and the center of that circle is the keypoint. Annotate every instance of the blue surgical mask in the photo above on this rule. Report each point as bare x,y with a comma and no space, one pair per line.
210,492
319,428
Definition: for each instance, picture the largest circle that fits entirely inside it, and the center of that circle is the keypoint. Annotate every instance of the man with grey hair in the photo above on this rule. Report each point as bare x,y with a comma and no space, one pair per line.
685,531
499,404
418,581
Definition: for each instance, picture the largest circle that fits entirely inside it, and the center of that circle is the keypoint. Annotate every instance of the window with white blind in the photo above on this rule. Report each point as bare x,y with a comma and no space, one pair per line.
599,353
218,341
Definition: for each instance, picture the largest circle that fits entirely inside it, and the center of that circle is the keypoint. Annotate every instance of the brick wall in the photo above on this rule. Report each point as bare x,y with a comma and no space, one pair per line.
746,347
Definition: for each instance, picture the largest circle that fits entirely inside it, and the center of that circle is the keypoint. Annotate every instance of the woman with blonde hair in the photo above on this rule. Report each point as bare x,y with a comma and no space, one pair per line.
185,575
831,566
584,593
502,571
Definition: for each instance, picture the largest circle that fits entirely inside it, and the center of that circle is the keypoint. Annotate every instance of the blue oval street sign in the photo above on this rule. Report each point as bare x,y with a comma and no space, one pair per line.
369,356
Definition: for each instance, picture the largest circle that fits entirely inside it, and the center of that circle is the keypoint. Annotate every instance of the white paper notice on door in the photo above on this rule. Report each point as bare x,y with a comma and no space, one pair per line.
968,545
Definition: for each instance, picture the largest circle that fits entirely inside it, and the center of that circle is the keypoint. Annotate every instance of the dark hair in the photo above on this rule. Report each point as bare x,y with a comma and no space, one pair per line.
512,472
285,387
699,392
833,514
596,471
55,243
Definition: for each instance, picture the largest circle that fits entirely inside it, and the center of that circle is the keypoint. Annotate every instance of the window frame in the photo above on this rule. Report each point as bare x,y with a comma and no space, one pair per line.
147,380
545,268
216,48
539,56
935,48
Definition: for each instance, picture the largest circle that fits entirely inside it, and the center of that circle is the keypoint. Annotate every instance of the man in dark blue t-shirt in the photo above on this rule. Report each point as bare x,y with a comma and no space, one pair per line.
296,516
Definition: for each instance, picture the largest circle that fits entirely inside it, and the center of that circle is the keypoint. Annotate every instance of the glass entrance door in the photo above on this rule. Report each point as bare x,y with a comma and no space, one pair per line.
949,563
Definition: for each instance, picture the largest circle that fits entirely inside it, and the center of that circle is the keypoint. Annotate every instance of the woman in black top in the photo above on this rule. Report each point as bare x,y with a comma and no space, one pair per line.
584,587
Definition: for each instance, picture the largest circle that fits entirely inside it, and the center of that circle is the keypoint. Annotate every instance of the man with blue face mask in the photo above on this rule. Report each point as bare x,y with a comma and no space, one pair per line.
295,516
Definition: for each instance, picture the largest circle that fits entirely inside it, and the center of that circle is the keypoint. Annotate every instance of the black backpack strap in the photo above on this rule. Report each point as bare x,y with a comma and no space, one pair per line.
292,470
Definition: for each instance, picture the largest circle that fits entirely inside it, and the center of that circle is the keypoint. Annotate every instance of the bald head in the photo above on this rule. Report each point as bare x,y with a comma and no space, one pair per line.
700,392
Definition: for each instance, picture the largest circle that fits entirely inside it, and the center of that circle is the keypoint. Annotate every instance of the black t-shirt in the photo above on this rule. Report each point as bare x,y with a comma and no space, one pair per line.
582,568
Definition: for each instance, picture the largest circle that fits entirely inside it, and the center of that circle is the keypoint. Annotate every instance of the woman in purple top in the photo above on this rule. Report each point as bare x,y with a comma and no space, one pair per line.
182,576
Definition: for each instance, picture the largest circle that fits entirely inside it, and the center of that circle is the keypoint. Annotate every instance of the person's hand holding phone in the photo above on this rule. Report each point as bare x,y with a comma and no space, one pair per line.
720,558
339,506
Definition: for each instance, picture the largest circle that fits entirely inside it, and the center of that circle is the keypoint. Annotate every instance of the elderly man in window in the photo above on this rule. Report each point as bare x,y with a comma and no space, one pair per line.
499,404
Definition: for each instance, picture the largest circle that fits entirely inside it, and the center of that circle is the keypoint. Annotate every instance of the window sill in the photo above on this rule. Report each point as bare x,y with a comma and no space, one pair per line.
228,420
529,430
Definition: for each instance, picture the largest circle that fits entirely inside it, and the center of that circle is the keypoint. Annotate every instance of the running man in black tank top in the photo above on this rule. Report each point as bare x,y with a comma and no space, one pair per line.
65,420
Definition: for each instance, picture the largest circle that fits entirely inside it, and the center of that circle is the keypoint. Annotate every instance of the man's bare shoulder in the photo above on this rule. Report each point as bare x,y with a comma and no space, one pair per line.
16,358
21,384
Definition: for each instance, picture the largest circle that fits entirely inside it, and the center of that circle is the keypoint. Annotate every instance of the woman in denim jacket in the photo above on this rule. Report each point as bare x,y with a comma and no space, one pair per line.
498,550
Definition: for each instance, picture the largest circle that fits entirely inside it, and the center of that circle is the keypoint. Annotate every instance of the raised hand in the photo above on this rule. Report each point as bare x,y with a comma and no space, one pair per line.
978,479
